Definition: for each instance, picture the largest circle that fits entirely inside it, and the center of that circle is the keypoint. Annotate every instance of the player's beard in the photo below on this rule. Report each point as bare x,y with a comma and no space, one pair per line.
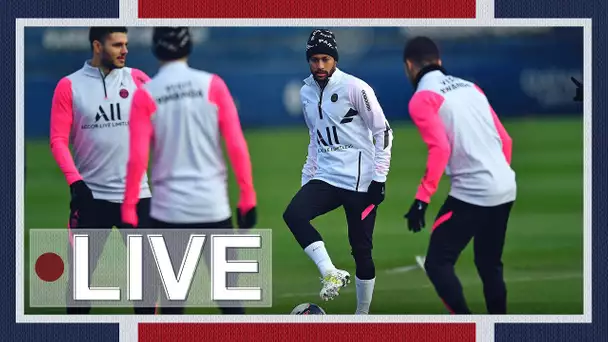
108,62
323,81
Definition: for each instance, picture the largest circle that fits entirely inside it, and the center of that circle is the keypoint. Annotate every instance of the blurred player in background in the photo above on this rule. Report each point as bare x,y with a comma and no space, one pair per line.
343,167
464,137
184,112
90,108
578,97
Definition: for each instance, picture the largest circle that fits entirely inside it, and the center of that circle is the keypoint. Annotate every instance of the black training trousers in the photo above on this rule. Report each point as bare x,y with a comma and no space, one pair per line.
456,224
101,216
226,224
316,198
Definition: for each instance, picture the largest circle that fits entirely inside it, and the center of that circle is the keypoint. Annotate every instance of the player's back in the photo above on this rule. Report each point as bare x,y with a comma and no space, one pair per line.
188,173
480,174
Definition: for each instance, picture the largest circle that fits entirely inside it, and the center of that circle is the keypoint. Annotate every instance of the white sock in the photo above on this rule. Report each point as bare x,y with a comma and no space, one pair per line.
317,252
365,290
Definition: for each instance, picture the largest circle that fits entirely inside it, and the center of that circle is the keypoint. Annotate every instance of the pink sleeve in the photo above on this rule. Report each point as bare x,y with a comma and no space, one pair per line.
424,110
236,145
507,142
140,134
61,124
139,77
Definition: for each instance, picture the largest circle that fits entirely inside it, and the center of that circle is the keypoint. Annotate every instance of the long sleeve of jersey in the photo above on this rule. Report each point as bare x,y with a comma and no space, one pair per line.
140,134
507,142
366,103
310,166
140,77
424,111
61,124
236,145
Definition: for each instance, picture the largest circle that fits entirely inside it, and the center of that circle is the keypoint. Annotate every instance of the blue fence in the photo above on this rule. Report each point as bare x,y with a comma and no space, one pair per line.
524,71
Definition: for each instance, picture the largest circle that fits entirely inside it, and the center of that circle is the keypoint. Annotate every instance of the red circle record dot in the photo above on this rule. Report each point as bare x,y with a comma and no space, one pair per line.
49,267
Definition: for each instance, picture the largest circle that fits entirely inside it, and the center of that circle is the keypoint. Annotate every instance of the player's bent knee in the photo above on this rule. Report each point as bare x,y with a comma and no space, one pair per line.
293,216
290,216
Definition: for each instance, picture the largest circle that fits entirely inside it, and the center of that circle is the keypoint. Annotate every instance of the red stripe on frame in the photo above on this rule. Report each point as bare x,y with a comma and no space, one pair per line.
335,332
182,9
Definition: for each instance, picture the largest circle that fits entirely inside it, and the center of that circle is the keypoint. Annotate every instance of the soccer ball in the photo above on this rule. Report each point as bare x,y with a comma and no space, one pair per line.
308,309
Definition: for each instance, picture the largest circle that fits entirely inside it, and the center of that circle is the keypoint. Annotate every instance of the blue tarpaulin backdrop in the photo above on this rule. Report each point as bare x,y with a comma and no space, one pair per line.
524,71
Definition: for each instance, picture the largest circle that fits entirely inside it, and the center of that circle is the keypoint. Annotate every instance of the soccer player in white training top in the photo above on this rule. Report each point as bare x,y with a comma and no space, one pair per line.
90,109
183,113
344,166
467,140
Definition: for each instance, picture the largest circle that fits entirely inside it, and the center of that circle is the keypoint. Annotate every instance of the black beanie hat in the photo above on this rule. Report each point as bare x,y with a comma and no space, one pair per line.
322,41
170,43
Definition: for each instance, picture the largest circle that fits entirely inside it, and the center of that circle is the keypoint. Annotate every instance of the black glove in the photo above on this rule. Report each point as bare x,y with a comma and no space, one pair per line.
81,195
415,217
579,90
248,219
376,192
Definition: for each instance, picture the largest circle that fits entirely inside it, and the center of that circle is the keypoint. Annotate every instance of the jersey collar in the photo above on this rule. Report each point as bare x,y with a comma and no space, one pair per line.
429,69
92,71
172,66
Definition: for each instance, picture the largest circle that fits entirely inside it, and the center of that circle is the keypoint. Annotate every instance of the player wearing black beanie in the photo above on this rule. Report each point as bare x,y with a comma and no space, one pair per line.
344,167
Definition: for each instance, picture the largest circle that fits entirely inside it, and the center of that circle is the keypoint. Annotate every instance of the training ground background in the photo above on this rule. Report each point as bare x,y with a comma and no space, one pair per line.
543,252
524,71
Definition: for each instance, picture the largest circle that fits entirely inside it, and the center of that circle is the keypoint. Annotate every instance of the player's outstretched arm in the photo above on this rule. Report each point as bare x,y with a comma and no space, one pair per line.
61,125
424,111
366,103
310,166
237,149
140,134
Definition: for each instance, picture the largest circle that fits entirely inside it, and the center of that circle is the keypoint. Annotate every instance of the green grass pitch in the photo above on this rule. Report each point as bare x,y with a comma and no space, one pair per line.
543,255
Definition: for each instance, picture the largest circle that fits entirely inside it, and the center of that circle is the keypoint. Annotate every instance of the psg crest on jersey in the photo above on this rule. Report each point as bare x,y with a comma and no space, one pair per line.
308,309
124,93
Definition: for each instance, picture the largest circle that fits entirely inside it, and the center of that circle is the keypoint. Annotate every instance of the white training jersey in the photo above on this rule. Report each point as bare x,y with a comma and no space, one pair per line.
350,138
183,113
465,138
91,111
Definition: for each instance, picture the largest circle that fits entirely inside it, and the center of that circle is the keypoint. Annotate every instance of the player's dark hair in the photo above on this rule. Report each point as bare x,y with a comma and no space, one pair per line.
171,43
101,33
421,51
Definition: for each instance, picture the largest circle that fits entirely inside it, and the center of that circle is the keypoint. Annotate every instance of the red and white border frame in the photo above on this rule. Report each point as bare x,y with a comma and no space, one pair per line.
129,323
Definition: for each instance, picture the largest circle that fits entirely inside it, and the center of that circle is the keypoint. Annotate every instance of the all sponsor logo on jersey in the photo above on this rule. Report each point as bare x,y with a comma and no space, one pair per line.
107,118
330,141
